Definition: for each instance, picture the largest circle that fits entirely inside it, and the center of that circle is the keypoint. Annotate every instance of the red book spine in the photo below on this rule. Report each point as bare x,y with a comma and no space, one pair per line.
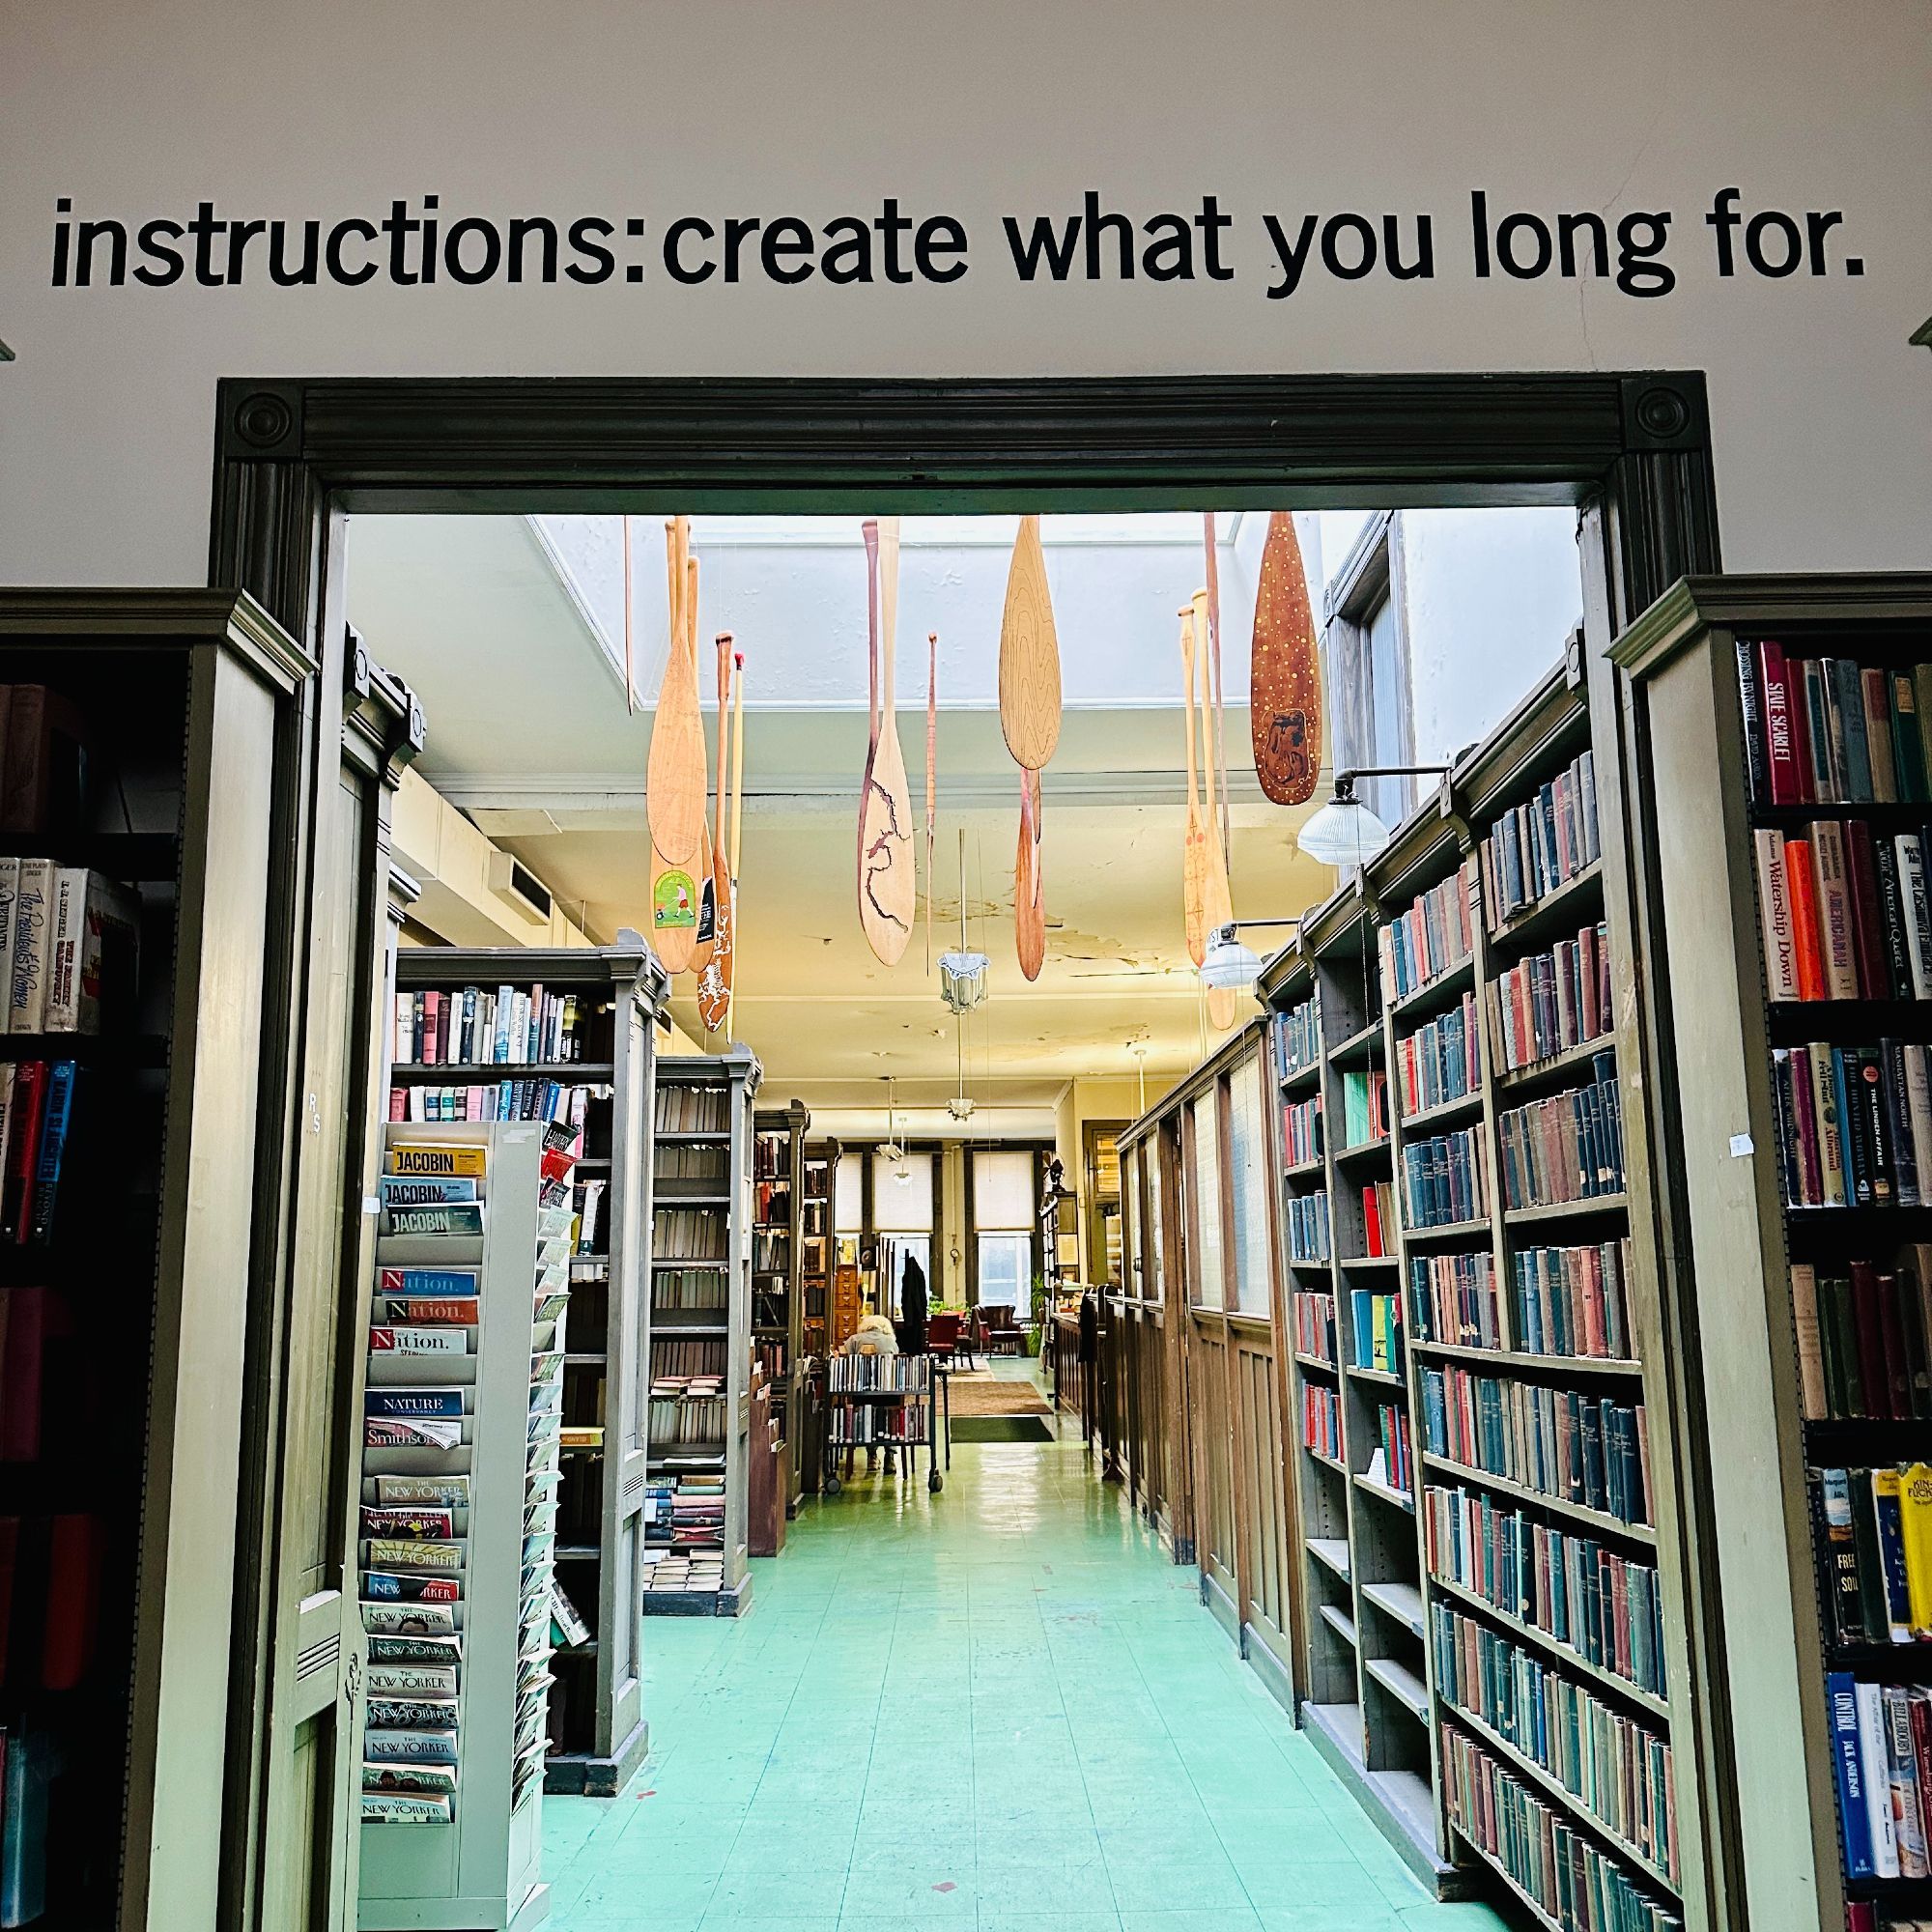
1869,1324
1804,918
74,1600
1867,919
1372,1221
399,1103
1783,739
1921,1748
23,1329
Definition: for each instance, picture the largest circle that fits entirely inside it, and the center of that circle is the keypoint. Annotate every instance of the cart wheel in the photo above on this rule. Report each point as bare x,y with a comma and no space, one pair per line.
833,1486
935,1482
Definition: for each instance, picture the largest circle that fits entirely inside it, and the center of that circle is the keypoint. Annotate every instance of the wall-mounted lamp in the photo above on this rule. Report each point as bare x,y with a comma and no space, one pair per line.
1344,831
1228,964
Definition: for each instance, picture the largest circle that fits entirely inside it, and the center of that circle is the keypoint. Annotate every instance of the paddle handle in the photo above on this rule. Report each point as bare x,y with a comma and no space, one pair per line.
723,719
1198,627
1187,660
889,617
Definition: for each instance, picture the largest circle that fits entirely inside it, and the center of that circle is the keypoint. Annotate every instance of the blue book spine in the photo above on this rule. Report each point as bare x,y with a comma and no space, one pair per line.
55,1116
1853,1820
412,1190
429,1281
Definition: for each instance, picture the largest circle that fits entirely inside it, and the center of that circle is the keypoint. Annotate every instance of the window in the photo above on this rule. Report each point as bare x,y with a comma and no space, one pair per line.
1365,646
1208,1261
1247,1178
902,1221
1004,1207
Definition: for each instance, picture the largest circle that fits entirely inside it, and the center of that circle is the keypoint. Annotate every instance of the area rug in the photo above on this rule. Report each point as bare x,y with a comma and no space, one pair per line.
1001,1428
977,1393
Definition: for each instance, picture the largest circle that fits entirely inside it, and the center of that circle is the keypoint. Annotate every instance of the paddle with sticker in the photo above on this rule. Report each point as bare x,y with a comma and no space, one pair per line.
675,777
713,978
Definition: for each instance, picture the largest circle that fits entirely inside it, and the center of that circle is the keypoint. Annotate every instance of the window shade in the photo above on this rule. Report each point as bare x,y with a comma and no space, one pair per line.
902,1207
1002,1196
848,1188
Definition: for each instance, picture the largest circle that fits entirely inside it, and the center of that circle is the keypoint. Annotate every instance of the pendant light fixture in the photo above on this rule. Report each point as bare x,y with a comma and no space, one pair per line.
962,975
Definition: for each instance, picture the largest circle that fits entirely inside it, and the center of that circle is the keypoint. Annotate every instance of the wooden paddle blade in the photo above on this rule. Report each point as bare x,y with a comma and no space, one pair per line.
713,978
1194,840
1284,679
674,776
1029,886
675,892
1029,656
1220,1008
888,884
1217,902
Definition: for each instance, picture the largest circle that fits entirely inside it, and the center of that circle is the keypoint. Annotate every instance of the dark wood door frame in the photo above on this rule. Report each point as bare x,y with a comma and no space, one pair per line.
292,456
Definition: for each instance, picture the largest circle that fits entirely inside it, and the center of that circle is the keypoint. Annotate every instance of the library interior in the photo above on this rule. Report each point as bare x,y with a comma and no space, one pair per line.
1200,1217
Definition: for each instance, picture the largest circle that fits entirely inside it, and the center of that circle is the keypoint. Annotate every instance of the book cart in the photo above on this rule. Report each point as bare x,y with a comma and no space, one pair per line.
596,1064
700,1335
1496,1659
1784,722
457,1507
778,1276
884,1402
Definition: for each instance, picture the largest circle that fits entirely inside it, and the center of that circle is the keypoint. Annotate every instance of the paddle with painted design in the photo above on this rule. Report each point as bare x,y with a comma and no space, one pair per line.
932,775
1029,885
737,818
888,887
870,530
1217,901
1284,679
1029,656
1194,840
674,806
713,980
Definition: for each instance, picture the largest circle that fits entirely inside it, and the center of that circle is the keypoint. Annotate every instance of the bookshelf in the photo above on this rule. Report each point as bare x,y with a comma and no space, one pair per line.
1513,1307
778,1276
1771,1372
458,1520
818,1211
593,1063
121,1516
699,1334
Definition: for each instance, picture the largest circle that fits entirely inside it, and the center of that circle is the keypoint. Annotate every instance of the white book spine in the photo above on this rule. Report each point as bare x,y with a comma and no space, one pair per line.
1917,913
68,923
1774,891
10,890
33,907
1875,1756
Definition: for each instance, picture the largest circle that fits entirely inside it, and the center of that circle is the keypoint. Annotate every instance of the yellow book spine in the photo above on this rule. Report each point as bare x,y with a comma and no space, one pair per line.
1916,1510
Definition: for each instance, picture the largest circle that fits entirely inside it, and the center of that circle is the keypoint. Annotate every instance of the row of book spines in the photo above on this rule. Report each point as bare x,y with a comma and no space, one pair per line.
1882,1761
1445,1179
690,1231
1443,1061
1376,1321
857,1375
692,1110
1830,730
1301,1131
1573,1882
1567,1147
1614,1765
1397,1456
470,1026
1432,937
39,1103
1321,1420
1559,1442
1572,1301
1865,1340
1297,1038
1875,1536
1365,1111
1537,847
1314,1325
1377,1218
1602,1605
1553,1001
1844,915
1854,1124
1308,1226
525,1100
69,939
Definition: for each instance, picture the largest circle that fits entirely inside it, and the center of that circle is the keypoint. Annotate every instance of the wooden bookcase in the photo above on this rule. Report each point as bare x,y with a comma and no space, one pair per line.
1215,1250
1375,1697
778,1275
1769,1641
598,1729
818,1245
704,1171
190,702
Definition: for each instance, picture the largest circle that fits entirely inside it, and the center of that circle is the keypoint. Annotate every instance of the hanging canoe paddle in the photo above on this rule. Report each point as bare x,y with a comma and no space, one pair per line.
870,531
705,938
1029,656
737,823
1028,901
888,887
932,775
714,978
1220,752
1217,898
1285,681
1194,841
674,872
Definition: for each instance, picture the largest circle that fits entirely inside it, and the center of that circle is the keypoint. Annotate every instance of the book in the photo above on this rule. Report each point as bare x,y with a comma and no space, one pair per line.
1849,1765
1775,914
412,1403
1875,1756
403,1808
394,1775
459,1283
27,990
409,1619
447,1218
433,1340
94,959
1801,881
28,1772
1785,783
1836,944
435,1158
410,1747
1916,1533
1810,1353
403,1190
17,1179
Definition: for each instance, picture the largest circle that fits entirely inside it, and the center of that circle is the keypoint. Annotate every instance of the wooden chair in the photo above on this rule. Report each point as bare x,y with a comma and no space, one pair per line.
1003,1335
943,1339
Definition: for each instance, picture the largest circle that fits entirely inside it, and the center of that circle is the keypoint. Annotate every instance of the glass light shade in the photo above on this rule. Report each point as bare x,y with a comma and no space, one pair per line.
962,979
1228,966
1343,831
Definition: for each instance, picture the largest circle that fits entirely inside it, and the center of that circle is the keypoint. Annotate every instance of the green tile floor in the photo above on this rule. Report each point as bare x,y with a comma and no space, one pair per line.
1000,1708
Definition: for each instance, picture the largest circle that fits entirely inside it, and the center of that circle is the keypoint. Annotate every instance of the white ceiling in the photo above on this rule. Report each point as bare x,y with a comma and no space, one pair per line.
529,732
